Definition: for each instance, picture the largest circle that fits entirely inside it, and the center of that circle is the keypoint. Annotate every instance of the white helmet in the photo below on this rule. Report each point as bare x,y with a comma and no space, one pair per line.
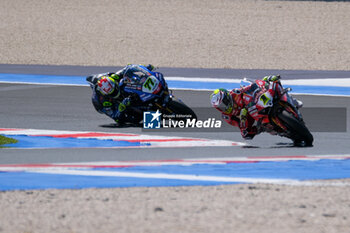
107,86
222,100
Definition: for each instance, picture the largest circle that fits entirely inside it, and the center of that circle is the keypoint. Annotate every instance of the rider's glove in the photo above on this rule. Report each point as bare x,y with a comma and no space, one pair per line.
115,77
151,67
126,101
272,78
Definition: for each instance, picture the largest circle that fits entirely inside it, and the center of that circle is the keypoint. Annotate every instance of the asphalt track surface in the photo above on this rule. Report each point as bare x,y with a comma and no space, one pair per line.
69,108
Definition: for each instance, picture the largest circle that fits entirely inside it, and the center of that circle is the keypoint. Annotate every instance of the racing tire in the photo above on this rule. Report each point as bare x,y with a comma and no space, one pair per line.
300,134
177,107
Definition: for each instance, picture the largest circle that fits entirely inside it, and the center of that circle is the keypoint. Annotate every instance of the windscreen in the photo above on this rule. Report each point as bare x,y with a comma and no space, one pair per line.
135,74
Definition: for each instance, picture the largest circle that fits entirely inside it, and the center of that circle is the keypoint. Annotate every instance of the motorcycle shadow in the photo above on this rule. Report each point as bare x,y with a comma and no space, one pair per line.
277,146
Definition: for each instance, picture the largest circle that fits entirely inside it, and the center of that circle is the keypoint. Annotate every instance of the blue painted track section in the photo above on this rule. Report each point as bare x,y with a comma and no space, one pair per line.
299,170
192,85
30,181
51,142
43,79
294,169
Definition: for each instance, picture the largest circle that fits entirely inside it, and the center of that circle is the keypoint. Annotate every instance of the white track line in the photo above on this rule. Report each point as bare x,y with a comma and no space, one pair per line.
190,177
333,82
146,141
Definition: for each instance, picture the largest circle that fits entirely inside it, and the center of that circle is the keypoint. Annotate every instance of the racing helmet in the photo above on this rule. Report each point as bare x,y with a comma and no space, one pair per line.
221,99
135,74
108,86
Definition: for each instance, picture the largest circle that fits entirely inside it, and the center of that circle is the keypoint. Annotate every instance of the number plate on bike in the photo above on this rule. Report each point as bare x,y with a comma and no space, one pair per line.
265,100
150,85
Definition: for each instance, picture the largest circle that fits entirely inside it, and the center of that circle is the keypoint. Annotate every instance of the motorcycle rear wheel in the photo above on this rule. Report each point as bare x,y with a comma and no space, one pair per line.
300,134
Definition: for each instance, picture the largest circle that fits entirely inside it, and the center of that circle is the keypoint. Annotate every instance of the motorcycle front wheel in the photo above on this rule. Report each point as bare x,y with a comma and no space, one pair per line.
299,133
179,108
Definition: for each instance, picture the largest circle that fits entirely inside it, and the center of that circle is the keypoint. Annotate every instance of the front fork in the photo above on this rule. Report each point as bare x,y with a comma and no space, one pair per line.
168,97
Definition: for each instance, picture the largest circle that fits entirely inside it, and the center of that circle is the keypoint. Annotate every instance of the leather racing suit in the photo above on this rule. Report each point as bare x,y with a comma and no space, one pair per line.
115,107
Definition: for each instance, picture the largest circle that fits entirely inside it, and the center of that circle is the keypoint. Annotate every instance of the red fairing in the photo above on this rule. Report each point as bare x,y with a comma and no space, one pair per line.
252,95
237,99
278,90
231,119
242,99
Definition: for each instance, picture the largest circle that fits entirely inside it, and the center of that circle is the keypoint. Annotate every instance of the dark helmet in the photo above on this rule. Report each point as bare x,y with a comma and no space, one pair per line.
108,86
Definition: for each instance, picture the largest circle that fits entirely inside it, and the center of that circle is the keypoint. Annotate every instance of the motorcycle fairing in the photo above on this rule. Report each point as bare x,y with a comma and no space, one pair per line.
148,88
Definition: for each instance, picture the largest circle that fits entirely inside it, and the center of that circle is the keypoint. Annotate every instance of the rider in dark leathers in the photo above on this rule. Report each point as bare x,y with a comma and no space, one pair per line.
109,97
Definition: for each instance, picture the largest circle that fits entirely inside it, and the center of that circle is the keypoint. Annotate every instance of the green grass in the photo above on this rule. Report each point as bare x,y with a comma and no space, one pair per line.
4,140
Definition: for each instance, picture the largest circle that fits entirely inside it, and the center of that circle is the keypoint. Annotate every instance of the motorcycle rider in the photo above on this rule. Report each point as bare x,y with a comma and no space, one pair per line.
234,106
109,97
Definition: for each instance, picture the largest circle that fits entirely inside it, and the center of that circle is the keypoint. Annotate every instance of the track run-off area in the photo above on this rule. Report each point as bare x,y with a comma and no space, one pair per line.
65,143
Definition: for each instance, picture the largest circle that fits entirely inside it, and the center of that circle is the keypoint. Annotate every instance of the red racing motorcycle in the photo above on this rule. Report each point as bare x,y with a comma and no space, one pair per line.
275,111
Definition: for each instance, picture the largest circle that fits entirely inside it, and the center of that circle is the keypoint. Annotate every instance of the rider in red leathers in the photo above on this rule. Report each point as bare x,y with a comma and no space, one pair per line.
232,107
238,106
